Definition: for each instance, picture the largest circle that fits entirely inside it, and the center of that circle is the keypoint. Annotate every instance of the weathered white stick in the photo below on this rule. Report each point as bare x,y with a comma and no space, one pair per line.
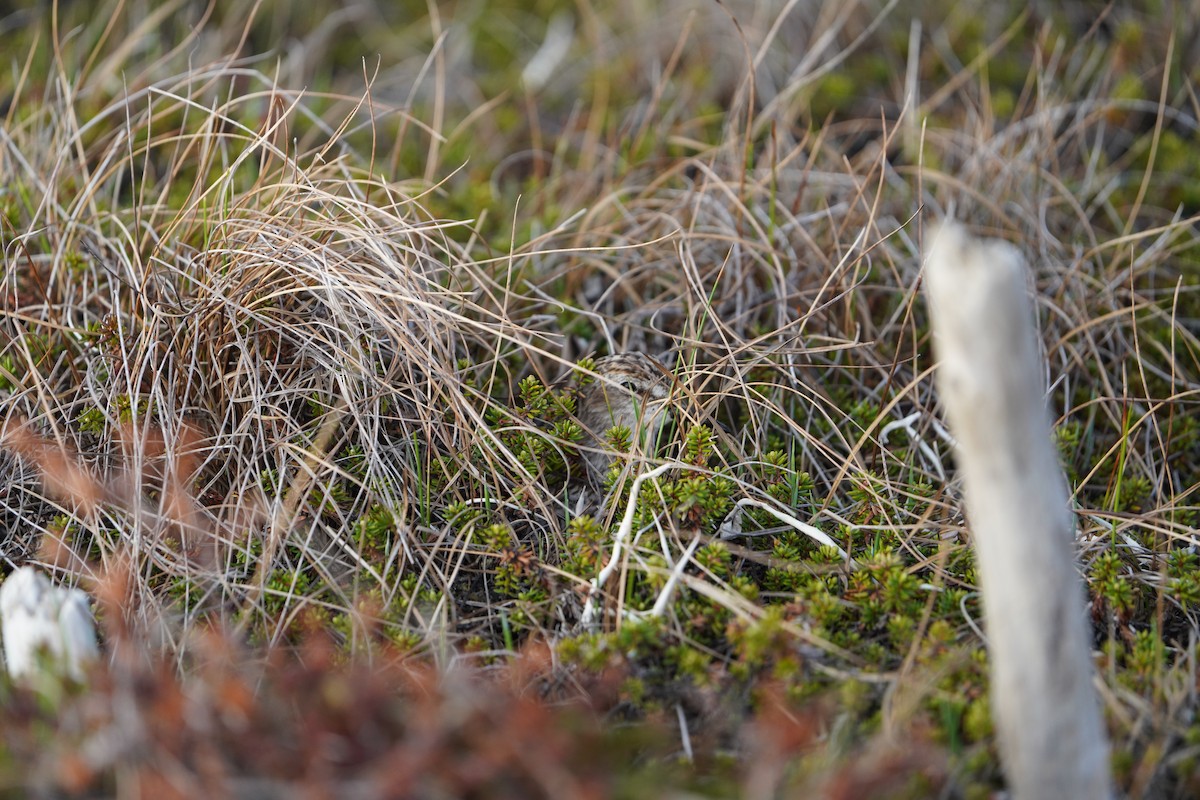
1047,715
624,532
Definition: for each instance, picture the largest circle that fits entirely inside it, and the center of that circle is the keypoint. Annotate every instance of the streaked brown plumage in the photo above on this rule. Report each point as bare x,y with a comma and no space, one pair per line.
631,391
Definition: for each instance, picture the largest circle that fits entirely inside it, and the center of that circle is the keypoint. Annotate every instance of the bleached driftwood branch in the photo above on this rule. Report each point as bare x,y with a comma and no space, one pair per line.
1047,716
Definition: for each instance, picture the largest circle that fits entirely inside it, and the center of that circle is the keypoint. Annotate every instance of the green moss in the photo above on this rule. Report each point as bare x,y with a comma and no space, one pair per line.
977,721
833,93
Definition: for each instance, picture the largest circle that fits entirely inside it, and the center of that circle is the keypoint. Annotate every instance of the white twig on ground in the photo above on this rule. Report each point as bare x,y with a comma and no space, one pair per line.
684,737
549,57
624,532
1050,733
664,597
906,424
729,528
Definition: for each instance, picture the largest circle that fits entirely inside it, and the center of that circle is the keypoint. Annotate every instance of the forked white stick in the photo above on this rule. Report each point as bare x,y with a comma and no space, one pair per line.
1050,734
623,534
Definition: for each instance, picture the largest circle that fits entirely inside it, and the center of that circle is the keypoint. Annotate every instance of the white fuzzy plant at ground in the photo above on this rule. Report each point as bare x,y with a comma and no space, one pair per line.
1050,734
45,627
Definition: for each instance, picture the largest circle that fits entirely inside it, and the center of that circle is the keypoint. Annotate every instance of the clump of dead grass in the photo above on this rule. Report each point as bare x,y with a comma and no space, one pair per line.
268,343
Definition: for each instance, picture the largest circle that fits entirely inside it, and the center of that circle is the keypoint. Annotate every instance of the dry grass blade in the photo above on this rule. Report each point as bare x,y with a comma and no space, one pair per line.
301,309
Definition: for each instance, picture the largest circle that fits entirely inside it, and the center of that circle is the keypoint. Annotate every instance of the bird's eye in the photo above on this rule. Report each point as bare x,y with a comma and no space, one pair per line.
628,386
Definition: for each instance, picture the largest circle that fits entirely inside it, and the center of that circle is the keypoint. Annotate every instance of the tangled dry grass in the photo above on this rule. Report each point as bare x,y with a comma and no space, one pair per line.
270,315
